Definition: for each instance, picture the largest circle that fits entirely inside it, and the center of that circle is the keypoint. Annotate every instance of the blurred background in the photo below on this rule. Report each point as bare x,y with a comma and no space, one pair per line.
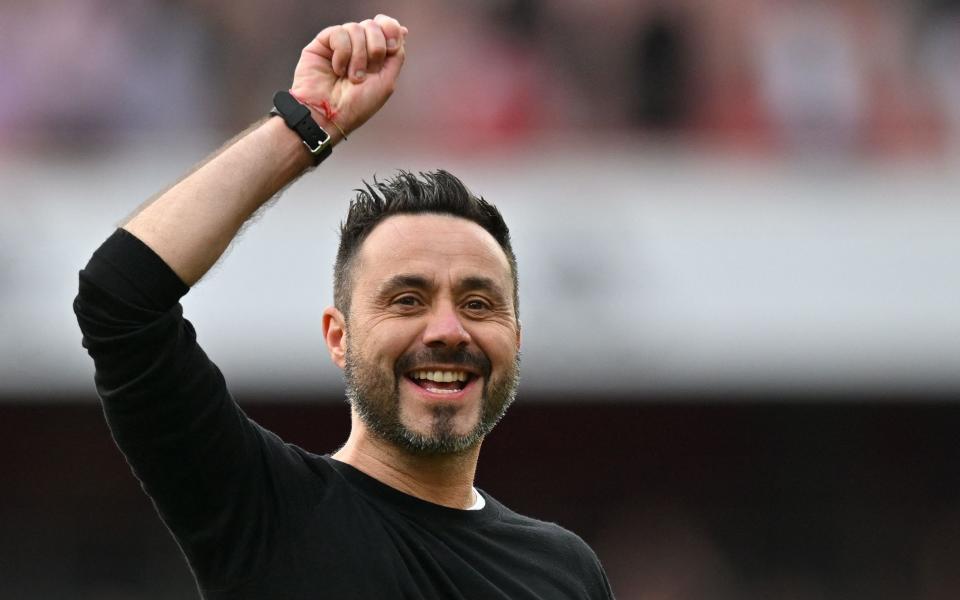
737,230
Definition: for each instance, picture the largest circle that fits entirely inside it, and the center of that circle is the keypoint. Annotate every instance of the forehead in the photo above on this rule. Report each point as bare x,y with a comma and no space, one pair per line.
432,245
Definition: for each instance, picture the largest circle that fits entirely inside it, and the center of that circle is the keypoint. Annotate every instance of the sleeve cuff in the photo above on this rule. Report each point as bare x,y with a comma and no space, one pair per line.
126,266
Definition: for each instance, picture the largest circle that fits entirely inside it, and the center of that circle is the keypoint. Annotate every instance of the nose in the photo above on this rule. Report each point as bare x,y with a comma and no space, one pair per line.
444,328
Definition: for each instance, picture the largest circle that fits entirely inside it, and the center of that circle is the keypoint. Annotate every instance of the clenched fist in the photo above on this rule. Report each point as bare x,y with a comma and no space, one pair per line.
348,71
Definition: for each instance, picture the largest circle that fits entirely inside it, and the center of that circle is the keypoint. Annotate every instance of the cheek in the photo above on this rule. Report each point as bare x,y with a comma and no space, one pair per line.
500,346
386,344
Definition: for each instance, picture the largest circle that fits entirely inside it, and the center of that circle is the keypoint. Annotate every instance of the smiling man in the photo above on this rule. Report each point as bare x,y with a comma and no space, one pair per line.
425,326
431,359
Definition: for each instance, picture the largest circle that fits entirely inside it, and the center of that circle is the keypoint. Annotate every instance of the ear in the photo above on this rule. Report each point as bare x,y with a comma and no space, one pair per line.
335,335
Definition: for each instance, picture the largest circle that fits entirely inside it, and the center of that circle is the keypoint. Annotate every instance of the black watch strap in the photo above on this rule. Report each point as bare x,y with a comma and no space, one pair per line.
298,118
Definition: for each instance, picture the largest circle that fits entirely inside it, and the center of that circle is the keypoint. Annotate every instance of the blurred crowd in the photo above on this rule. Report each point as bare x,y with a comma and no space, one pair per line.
848,76
676,516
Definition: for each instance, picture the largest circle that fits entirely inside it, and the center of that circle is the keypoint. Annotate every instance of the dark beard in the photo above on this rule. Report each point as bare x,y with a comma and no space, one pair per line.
375,394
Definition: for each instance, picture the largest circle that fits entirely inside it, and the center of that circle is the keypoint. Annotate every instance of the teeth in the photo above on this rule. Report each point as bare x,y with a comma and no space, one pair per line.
441,376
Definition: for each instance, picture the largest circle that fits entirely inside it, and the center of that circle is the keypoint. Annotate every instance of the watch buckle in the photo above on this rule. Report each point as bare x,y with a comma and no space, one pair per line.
318,149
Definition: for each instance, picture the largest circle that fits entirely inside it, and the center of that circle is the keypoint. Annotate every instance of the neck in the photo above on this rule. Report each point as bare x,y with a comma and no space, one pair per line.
446,479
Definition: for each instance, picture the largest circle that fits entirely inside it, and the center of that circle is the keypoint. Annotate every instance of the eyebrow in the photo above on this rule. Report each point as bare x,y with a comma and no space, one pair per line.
419,282
479,283
404,281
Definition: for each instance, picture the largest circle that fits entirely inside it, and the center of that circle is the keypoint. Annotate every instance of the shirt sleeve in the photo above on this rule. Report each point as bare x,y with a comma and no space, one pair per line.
208,468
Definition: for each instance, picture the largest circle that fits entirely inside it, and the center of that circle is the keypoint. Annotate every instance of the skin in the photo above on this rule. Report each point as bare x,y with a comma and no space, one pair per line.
352,68
191,224
389,319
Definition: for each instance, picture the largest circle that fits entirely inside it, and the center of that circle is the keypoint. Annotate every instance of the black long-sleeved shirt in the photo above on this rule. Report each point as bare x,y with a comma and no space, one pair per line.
259,518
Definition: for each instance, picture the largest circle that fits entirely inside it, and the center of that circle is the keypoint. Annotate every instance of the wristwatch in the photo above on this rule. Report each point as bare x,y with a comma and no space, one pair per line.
298,118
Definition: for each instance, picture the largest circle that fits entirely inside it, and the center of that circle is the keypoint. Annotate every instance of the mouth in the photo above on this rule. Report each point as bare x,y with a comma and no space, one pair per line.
441,381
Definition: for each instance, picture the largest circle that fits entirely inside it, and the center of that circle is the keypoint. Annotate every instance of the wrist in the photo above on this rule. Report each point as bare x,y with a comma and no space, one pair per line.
288,144
325,116
335,133
299,118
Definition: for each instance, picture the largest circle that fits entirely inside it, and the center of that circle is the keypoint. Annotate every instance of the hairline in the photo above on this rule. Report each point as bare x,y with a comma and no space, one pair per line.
351,261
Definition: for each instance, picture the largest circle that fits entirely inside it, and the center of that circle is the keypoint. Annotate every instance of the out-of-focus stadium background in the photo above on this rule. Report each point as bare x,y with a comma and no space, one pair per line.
737,225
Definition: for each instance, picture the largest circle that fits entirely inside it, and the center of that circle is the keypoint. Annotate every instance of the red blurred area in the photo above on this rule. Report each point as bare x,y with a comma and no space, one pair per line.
784,76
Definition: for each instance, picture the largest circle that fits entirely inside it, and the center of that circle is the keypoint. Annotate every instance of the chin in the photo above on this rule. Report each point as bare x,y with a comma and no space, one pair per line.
442,419
444,429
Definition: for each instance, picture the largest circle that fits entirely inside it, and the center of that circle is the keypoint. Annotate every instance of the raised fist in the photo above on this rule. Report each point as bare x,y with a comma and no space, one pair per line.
348,71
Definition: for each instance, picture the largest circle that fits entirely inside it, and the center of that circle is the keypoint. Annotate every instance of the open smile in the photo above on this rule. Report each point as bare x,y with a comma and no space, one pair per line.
448,383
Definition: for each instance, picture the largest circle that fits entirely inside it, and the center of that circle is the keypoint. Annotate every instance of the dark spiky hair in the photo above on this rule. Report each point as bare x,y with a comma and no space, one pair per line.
435,192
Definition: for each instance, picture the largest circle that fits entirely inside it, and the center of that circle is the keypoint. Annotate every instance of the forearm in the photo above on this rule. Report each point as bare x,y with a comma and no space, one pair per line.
345,74
191,224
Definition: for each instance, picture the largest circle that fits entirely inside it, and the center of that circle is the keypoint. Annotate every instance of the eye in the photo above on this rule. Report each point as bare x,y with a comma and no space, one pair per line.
407,301
476,305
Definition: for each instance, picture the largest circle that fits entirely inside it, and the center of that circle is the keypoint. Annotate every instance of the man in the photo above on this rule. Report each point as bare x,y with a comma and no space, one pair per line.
425,326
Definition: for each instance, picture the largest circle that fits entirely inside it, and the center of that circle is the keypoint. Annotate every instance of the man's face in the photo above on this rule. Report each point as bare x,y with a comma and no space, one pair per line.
432,340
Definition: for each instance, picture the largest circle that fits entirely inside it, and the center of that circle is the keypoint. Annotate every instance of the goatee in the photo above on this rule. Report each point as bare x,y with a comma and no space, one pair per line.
375,395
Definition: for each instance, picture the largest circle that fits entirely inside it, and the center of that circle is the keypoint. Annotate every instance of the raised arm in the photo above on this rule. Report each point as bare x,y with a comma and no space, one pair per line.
345,74
212,473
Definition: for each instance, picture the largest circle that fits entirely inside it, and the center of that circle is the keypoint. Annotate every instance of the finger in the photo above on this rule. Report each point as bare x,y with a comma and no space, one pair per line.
341,47
392,31
358,58
391,69
321,44
376,45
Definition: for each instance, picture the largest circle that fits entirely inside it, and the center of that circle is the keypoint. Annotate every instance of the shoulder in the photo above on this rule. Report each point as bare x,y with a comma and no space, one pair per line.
564,546
535,527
